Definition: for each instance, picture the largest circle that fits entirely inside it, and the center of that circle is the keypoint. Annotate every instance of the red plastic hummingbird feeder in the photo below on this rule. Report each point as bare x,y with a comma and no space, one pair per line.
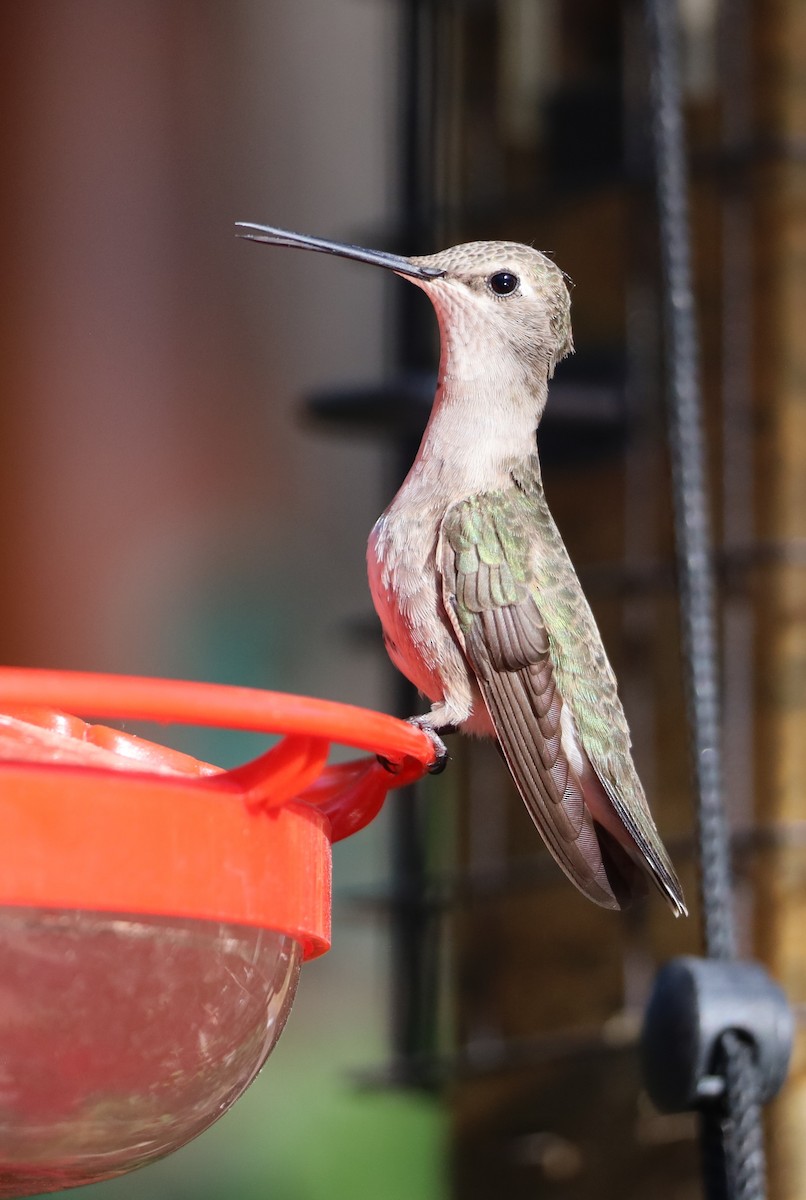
155,910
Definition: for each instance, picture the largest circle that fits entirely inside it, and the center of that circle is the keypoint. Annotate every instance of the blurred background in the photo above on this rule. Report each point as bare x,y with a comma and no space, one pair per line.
198,434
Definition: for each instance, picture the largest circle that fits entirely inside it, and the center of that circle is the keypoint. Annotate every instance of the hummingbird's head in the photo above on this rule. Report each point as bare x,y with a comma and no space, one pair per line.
500,305
499,296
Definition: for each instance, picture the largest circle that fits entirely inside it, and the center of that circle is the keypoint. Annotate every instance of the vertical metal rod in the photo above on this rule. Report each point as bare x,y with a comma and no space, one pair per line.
730,1134
412,1015
692,521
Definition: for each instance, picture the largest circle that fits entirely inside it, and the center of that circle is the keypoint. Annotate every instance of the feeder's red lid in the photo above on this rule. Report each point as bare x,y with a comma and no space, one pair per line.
96,819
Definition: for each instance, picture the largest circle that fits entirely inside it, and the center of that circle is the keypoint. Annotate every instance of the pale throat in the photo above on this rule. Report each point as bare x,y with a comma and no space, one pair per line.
485,415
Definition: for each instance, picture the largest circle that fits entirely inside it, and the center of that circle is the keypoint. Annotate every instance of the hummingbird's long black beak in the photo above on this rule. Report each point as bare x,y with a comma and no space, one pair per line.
300,241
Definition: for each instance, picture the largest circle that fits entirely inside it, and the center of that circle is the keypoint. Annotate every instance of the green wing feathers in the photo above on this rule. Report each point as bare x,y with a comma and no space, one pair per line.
514,600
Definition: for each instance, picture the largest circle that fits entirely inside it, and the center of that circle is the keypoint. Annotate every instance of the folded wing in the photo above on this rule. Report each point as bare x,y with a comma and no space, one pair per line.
493,601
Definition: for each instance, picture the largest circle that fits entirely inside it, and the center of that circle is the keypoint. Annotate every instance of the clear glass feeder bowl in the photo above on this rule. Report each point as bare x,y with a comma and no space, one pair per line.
123,1034
126,1036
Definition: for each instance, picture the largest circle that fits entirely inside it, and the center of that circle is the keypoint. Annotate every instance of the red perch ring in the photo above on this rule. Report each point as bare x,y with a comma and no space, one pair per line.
96,819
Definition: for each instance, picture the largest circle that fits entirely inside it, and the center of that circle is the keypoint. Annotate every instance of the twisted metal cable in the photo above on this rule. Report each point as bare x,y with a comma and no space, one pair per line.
743,1130
692,522
732,1138
731,1134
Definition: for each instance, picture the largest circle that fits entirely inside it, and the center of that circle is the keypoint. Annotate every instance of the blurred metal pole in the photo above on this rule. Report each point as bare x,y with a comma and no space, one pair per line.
731,1130
412,923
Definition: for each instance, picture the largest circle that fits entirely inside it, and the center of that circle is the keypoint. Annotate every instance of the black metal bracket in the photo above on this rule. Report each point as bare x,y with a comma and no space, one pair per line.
695,1002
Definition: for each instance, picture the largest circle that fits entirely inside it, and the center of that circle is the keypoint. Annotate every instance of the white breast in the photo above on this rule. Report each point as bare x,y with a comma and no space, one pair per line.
407,594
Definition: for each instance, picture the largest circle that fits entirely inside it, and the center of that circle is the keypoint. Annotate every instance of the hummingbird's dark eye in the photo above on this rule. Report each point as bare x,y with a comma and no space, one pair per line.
503,283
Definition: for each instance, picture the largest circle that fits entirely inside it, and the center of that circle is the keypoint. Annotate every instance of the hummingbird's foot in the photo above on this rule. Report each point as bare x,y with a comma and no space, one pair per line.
440,750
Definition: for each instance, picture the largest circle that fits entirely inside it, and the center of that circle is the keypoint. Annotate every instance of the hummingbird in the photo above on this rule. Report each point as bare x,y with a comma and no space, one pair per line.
480,605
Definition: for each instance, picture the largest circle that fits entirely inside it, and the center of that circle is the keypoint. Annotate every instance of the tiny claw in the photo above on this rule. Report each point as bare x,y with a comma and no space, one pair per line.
440,749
